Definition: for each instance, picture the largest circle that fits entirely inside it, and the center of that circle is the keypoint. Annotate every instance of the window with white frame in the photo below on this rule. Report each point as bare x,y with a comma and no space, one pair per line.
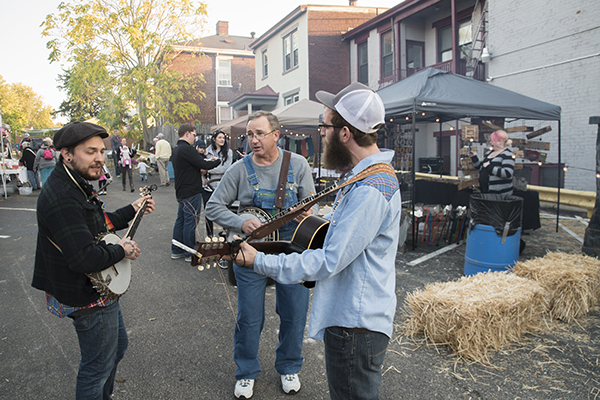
363,63
265,64
294,98
224,72
387,55
290,50
225,112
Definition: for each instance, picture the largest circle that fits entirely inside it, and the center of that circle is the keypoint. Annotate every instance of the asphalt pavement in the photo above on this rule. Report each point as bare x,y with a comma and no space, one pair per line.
180,323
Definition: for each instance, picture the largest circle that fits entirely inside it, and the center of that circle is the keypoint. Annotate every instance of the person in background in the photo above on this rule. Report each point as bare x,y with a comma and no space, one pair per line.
143,167
70,218
497,168
126,164
254,181
354,299
26,139
28,160
163,155
188,166
217,150
115,144
45,160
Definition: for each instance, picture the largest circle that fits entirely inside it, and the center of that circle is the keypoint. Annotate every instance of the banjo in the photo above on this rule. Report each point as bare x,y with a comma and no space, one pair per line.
114,280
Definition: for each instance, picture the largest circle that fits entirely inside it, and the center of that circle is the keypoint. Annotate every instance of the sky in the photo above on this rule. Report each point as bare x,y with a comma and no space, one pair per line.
25,57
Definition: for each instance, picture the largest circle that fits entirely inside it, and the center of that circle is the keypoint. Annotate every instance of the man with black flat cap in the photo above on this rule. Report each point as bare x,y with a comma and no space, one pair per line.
70,218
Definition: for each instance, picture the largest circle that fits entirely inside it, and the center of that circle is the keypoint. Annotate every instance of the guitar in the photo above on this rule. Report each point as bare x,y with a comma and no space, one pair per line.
114,280
310,234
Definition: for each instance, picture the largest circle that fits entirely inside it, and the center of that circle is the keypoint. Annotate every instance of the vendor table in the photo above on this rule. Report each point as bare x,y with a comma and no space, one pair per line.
20,173
431,192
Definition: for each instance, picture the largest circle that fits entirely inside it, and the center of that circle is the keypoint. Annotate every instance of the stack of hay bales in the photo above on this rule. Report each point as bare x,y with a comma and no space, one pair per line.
484,312
573,280
478,313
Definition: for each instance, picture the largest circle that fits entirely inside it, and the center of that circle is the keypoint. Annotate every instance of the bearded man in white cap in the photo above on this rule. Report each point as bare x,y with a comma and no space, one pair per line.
354,299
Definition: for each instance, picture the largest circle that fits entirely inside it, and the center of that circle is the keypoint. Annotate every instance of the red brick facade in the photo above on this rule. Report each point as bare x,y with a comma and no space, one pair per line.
329,67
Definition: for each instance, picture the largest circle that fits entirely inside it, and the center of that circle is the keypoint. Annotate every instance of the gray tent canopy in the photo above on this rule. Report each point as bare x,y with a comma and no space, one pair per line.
447,96
432,95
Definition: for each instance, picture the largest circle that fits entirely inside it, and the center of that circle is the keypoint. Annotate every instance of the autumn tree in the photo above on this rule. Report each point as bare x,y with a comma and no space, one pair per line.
23,108
134,39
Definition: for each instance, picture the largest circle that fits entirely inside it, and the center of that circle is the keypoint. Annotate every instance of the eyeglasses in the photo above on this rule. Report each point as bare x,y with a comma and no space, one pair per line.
323,126
259,135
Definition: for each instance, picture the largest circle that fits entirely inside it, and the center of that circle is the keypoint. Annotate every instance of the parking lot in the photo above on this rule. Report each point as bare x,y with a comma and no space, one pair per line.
180,323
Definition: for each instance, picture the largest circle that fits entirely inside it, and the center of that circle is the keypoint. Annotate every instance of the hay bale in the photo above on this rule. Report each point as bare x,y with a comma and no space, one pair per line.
476,314
573,280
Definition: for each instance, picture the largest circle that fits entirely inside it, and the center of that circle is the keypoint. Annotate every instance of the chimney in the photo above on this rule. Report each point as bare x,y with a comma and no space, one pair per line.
223,28
352,3
252,35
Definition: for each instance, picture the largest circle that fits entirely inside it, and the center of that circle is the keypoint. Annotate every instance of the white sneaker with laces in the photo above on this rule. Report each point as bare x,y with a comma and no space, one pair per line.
188,259
290,383
244,388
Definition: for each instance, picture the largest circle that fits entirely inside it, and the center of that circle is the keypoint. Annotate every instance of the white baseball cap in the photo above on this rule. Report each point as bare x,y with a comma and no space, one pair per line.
358,104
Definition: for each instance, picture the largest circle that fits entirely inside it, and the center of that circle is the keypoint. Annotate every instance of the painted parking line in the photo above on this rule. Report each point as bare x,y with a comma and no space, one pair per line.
431,255
18,209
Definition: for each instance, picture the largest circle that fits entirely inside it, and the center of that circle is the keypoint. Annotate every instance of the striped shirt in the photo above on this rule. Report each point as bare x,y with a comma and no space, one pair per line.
501,170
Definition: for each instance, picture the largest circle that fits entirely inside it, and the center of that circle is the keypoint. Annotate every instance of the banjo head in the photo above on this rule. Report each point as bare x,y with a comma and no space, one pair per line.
115,279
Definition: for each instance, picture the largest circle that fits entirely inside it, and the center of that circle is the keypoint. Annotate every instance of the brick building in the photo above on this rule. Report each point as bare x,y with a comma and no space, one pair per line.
226,63
304,53
545,49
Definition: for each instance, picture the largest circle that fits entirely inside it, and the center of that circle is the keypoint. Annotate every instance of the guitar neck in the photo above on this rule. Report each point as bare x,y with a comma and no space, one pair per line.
136,221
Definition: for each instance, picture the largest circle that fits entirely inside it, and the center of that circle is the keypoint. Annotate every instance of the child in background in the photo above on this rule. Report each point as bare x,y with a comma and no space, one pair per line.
143,167
102,185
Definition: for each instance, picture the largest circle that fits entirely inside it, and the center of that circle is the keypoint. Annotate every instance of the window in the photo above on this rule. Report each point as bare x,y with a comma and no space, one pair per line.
225,113
363,63
290,51
387,55
265,64
415,58
224,72
465,37
291,99
445,43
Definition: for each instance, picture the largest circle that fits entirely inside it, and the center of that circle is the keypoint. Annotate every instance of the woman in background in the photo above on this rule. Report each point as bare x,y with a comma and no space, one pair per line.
497,168
218,149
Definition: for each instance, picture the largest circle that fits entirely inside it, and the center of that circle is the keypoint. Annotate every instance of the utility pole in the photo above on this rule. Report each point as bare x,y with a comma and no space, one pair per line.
591,240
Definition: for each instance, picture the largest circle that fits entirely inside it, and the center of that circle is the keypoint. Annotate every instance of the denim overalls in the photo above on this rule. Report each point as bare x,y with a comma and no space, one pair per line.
291,300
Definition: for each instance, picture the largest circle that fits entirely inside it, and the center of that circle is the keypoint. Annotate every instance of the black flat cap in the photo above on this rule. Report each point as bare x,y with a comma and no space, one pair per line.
77,132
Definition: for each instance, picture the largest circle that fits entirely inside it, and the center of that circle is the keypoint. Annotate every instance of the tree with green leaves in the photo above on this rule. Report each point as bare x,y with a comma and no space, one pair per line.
22,108
134,40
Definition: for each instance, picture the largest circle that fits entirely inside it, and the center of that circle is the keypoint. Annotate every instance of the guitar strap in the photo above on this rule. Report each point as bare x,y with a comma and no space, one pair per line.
280,194
269,227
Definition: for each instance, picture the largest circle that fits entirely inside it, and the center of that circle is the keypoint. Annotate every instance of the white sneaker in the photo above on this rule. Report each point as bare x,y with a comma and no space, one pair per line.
290,383
188,259
177,256
244,388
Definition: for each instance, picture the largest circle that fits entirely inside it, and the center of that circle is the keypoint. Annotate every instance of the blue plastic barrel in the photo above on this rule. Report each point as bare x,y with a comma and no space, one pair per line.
486,252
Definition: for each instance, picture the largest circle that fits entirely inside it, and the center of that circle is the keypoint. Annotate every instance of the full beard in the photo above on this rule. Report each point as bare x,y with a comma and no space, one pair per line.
86,172
336,156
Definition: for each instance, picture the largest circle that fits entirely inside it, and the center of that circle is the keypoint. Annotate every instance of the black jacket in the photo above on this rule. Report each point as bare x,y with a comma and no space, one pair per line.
68,223
187,164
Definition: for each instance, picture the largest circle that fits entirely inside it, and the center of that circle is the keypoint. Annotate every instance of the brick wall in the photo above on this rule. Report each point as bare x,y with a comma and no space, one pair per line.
546,50
329,67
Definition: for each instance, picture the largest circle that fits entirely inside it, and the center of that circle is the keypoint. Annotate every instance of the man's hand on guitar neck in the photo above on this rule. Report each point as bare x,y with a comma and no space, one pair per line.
149,204
244,257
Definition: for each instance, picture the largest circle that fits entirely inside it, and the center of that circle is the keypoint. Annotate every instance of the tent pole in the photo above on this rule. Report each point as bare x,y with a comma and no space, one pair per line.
559,179
413,191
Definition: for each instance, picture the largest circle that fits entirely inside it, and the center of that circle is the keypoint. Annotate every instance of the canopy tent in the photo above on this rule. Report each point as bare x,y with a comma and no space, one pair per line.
444,95
432,95
302,115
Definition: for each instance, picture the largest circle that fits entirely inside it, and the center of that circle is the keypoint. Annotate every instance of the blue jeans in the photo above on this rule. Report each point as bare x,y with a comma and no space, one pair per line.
33,179
102,342
353,362
44,174
291,305
188,216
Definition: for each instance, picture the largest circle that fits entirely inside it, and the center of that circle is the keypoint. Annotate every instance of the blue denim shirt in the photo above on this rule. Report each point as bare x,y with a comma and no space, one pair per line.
355,270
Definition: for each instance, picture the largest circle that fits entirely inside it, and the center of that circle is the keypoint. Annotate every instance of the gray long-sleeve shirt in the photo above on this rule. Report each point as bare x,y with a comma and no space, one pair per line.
235,186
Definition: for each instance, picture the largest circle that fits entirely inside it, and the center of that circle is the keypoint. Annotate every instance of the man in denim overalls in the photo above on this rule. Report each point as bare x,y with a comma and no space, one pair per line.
253,182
